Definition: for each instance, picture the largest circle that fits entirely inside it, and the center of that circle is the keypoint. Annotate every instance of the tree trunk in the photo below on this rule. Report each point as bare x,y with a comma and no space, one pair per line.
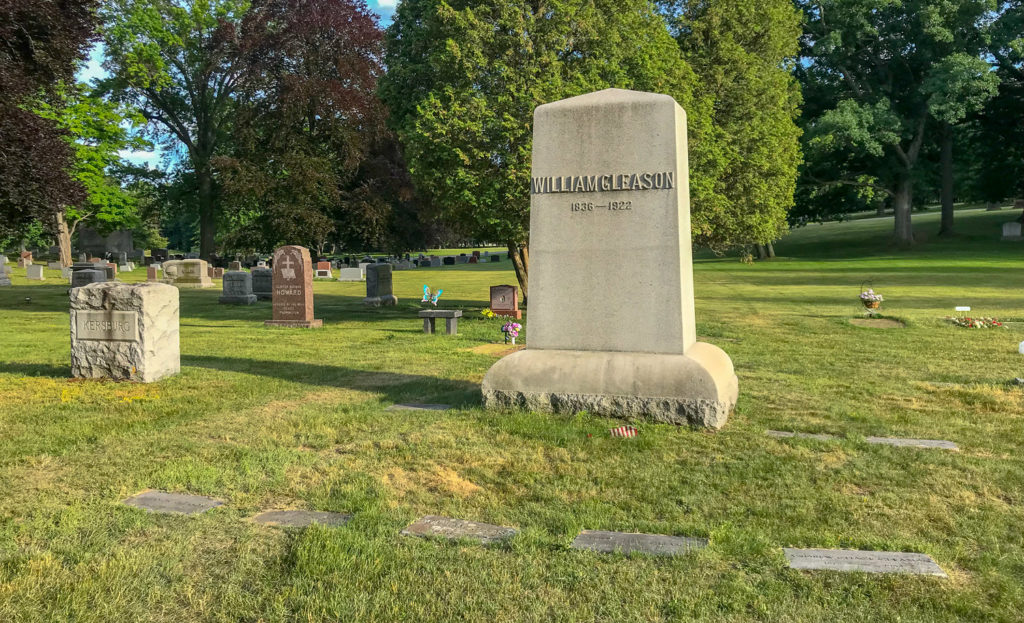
946,227
762,253
63,239
520,255
901,207
771,250
207,222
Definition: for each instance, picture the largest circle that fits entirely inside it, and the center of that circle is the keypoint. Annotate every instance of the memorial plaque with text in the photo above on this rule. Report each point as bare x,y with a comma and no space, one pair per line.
293,288
108,326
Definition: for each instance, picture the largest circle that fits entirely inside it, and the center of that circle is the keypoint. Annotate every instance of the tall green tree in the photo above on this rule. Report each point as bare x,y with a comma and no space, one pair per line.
886,72
41,43
744,161
177,62
98,131
464,78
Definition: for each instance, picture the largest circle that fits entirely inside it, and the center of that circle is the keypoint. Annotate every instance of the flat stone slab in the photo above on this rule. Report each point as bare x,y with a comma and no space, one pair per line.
440,313
416,406
913,443
446,527
629,542
877,323
782,434
180,503
859,560
301,519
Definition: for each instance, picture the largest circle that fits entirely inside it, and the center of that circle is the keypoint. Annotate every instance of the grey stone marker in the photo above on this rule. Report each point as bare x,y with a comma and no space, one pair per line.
865,561
350,274
627,542
163,502
4,279
301,519
35,272
446,527
379,286
782,434
610,192
125,331
416,406
85,277
237,289
913,443
263,283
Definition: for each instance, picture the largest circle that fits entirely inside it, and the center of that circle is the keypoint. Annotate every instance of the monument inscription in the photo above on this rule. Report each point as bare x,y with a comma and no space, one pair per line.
113,326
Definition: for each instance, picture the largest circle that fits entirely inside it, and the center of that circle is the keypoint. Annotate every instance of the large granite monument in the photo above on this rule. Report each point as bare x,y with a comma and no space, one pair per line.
124,331
379,286
611,313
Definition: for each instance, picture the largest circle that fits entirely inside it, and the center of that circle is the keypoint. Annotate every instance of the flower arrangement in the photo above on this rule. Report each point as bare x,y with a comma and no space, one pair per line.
975,323
871,299
511,329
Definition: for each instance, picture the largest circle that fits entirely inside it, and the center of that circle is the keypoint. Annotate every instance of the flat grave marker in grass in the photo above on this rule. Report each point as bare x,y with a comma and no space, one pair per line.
782,434
865,561
913,443
301,519
416,406
607,542
449,528
164,502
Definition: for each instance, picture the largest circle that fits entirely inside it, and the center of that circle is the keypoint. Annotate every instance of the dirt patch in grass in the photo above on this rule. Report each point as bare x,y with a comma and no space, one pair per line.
877,323
437,479
495,350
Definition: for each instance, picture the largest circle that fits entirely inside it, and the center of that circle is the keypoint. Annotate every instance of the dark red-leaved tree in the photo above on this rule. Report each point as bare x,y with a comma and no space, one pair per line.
40,41
313,162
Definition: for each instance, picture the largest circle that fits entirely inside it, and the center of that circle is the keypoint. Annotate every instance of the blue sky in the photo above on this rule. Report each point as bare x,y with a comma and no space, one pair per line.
93,69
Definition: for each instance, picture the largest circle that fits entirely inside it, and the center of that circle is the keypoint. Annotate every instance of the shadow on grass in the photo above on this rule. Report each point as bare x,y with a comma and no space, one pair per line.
392,386
35,369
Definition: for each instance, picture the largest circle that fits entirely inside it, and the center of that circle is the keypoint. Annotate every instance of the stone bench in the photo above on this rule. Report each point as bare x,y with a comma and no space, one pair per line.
451,320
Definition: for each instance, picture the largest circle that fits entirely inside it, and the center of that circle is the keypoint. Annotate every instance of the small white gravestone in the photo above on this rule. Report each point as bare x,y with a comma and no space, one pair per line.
350,274
963,308
609,194
124,331
35,272
1011,231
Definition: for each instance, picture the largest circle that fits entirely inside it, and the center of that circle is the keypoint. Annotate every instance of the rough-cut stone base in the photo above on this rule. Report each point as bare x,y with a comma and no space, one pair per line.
316,323
190,284
380,301
147,353
238,299
698,388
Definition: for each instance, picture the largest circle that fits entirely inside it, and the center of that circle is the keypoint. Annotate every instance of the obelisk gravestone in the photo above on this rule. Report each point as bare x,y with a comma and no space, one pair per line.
611,314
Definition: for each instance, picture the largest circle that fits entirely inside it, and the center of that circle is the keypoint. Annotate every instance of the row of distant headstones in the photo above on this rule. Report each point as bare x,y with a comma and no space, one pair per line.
602,541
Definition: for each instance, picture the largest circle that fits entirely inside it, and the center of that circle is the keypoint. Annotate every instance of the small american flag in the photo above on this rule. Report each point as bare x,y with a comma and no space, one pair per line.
624,431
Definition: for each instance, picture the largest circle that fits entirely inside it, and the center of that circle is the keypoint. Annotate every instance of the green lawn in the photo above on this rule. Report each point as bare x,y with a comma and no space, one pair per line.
276,418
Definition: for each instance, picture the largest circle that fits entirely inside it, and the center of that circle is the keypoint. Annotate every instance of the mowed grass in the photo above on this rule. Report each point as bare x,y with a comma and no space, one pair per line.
274,418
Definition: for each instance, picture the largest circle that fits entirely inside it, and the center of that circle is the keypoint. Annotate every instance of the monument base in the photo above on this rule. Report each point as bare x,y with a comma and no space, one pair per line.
380,301
188,284
699,388
316,323
237,299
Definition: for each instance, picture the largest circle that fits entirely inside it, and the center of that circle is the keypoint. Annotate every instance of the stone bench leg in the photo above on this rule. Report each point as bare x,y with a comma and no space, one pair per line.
428,325
451,326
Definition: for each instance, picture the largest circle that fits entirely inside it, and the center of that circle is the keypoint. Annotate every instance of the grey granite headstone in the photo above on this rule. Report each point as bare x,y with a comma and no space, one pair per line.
87,276
237,288
350,274
301,519
913,443
4,279
263,283
379,286
415,406
626,543
163,502
782,434
446,527
857,560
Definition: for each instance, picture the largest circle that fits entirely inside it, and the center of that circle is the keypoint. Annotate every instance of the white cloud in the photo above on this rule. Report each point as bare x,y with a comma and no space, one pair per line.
151,158
387,4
